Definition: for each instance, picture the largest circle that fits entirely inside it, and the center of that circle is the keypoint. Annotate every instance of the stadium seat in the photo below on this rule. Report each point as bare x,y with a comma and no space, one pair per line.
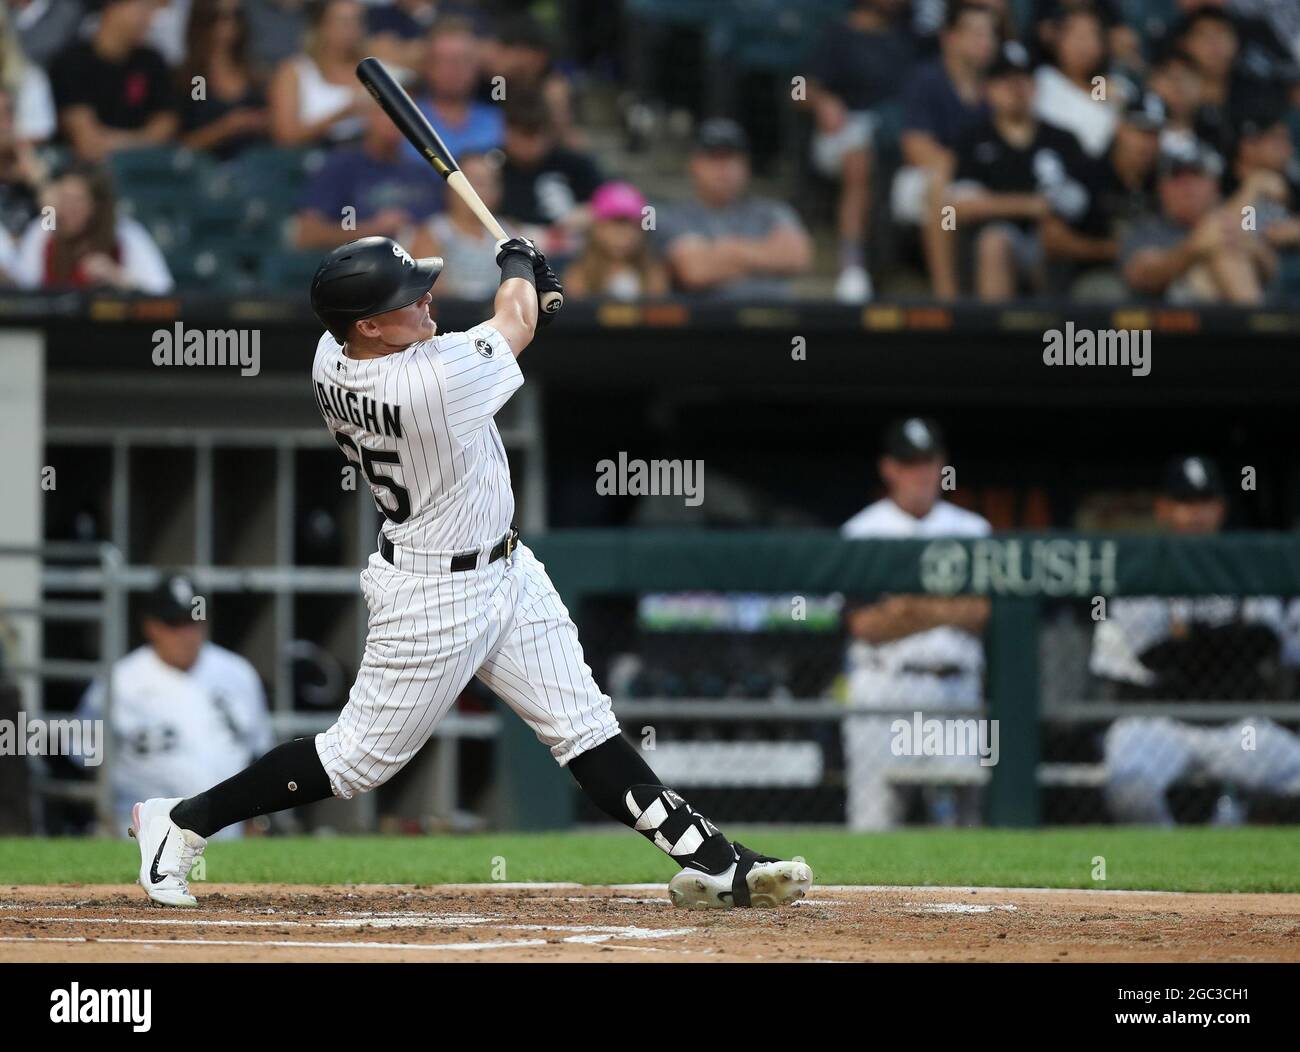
142,172
211,268
688,12
288,270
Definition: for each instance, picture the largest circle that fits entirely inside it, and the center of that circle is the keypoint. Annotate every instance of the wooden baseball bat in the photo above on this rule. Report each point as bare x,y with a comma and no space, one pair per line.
413,124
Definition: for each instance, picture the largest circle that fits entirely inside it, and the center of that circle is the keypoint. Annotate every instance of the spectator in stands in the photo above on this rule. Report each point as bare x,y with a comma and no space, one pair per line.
545,183
451,68
229,113
113,92
1083,247
618,262
23,174
186,712
315,96
396,31
942,102
1209,35
1196,250
368,189
1011,171
1122,41
45,27
522,53
277,30
907,651
1150,649
1176,80
90,246
1070,95
29,88
458,236
860,63
1264,151
727,242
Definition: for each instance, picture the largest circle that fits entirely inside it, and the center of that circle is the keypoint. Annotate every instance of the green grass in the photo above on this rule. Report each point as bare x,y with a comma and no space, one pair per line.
1199,859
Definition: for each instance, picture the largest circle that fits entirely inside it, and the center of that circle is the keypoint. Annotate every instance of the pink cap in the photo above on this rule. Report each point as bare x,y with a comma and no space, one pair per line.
617,201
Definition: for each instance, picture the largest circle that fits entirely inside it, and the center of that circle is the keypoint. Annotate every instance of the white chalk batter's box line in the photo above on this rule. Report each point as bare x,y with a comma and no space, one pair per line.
577,932
450,947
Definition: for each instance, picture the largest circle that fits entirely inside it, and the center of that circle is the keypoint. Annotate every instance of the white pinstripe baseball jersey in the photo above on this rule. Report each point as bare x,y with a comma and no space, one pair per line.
418,423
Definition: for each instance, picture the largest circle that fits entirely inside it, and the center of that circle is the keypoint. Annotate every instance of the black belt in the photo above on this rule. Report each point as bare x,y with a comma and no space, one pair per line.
465,560
940,671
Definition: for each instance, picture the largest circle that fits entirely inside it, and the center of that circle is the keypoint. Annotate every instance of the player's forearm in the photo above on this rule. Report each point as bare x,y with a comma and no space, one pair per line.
515,313
970,613
901,616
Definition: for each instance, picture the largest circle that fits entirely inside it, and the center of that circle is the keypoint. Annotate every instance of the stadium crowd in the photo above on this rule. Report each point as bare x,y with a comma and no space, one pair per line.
1092,149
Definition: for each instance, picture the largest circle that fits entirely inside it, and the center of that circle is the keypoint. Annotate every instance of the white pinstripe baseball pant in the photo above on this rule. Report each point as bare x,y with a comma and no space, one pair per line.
429,634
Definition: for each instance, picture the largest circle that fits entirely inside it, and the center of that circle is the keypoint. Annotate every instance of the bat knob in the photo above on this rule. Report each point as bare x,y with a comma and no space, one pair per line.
551,302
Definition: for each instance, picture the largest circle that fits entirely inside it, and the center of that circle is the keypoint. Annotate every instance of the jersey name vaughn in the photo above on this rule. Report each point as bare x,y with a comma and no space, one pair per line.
379,418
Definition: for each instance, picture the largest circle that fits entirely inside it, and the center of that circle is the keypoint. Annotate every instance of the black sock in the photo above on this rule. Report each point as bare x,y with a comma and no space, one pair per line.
290,775
622,785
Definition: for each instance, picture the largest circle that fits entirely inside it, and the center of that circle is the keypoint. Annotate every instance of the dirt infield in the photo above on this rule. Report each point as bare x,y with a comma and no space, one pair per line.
242,922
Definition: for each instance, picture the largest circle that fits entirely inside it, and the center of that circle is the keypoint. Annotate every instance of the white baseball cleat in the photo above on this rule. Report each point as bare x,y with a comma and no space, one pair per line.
754,880
167,852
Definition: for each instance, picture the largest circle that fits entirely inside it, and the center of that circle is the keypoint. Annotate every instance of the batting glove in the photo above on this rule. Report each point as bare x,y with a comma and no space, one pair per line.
546,281
520,246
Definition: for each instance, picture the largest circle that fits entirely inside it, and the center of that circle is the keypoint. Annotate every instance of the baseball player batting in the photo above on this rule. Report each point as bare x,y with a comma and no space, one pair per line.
451,592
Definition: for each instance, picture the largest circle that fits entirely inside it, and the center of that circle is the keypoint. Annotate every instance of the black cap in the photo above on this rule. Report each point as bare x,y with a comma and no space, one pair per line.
366,277
1192,479
914,438
1190,155
1146,112
721,135
1012,59
172,601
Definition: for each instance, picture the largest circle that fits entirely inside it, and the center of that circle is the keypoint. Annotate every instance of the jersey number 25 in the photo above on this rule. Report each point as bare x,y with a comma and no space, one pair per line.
368,458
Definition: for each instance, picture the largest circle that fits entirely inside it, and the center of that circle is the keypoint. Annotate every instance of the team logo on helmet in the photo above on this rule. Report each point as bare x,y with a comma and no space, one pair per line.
483,347
403,255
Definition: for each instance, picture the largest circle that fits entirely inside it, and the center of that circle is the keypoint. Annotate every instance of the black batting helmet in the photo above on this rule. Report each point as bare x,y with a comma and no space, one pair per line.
366,277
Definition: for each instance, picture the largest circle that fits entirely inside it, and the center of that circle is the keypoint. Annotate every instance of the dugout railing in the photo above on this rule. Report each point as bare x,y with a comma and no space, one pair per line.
1022,574
92,574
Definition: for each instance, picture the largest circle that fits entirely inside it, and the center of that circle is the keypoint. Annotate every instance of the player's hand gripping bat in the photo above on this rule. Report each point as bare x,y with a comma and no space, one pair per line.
419,132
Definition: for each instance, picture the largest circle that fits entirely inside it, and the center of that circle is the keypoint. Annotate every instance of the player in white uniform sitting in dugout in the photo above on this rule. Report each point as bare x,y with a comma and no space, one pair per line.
452,593
1240,649
911,652
186,712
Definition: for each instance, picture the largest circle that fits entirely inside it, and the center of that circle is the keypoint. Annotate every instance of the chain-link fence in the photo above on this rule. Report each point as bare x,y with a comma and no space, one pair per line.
1177,709
785,707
